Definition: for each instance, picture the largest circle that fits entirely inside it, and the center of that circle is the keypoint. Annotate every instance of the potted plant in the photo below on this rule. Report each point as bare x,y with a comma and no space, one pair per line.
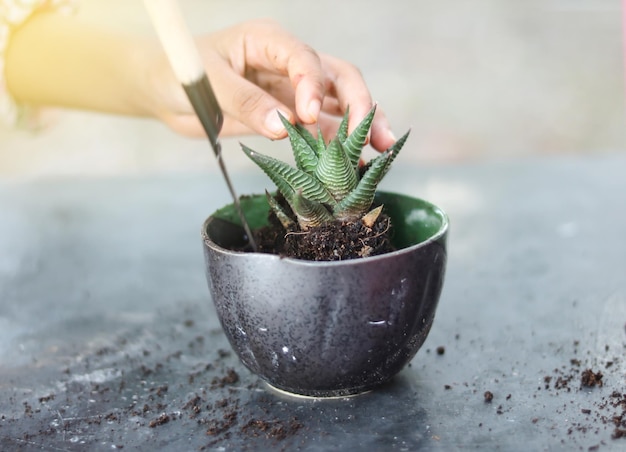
346,314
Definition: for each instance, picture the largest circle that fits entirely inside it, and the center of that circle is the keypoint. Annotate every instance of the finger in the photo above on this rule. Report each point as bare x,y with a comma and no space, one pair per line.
248,103
189,125
232,127
381,136
304,70
280,52
349,88
280,88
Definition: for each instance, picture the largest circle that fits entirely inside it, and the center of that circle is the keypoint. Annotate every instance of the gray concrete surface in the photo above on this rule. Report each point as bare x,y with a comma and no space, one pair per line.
474,79
106,324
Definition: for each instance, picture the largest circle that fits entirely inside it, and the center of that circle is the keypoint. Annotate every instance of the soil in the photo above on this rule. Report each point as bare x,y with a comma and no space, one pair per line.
603,410
146,378
165,386
330,242
590,378
276,429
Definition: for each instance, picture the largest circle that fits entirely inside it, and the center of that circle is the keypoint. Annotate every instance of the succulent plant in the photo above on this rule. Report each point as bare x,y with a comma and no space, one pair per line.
327,184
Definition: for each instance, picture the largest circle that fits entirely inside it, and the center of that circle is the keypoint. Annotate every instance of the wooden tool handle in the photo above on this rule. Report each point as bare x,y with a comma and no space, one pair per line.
176,39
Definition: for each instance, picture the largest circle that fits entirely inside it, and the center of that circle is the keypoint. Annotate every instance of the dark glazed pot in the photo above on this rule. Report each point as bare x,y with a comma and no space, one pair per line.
327,329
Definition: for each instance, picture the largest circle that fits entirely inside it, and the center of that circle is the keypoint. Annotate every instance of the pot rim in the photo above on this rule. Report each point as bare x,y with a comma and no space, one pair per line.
445,224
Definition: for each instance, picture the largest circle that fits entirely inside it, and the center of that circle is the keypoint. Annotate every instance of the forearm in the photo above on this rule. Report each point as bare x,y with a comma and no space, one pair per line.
57,60
256,68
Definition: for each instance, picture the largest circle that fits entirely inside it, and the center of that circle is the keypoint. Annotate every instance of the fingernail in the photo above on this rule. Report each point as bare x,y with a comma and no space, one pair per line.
313,109
391,135
273,122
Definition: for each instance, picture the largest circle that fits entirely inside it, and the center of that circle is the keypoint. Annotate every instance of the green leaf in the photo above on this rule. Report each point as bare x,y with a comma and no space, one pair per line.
308,136
335,171
288,179
321,145
342,132
394,149
360,199
309,213
305,155
280,213
355,142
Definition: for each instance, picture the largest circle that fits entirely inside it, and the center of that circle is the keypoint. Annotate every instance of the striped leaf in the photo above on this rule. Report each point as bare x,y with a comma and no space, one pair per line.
321,145
308,136
305,155
342,132
360,199
280,213
355,142
309,213
335,171
394,149
288,179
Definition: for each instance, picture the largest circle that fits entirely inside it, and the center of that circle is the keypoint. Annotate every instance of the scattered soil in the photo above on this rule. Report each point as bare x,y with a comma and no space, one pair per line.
230,378
604,411
604,416
330,242
275,429
142,389
590,378
162,419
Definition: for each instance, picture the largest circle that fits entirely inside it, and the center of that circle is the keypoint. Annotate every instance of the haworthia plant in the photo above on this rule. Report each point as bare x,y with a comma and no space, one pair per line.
326,184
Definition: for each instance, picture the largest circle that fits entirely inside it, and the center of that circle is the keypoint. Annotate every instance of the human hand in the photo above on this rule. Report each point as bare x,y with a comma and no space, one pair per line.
257,68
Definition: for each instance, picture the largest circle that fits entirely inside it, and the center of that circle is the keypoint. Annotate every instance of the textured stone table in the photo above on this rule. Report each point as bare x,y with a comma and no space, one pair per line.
108,338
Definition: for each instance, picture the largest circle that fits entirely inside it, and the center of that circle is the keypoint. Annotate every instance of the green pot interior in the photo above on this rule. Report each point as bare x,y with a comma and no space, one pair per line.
414,220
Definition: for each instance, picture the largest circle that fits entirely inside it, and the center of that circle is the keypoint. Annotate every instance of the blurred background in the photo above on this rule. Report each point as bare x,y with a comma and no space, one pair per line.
474,79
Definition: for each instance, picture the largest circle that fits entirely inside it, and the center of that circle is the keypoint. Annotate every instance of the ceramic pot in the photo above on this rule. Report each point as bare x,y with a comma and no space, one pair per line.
327,329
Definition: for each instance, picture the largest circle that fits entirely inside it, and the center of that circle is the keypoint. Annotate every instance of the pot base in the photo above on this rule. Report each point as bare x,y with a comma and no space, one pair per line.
321,395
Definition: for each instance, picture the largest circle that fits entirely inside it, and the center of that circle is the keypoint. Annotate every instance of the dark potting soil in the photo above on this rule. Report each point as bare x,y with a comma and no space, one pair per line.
330,242
590,378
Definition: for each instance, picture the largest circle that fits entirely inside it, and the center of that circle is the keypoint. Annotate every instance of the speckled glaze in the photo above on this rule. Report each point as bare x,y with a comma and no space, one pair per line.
328,329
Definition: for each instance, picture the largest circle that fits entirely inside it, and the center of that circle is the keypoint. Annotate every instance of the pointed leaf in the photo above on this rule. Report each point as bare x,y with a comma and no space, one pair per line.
342,132
360,199
288,179
280,213
355,142
394,150
309,213
335,171
304,154
321,145
308,136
